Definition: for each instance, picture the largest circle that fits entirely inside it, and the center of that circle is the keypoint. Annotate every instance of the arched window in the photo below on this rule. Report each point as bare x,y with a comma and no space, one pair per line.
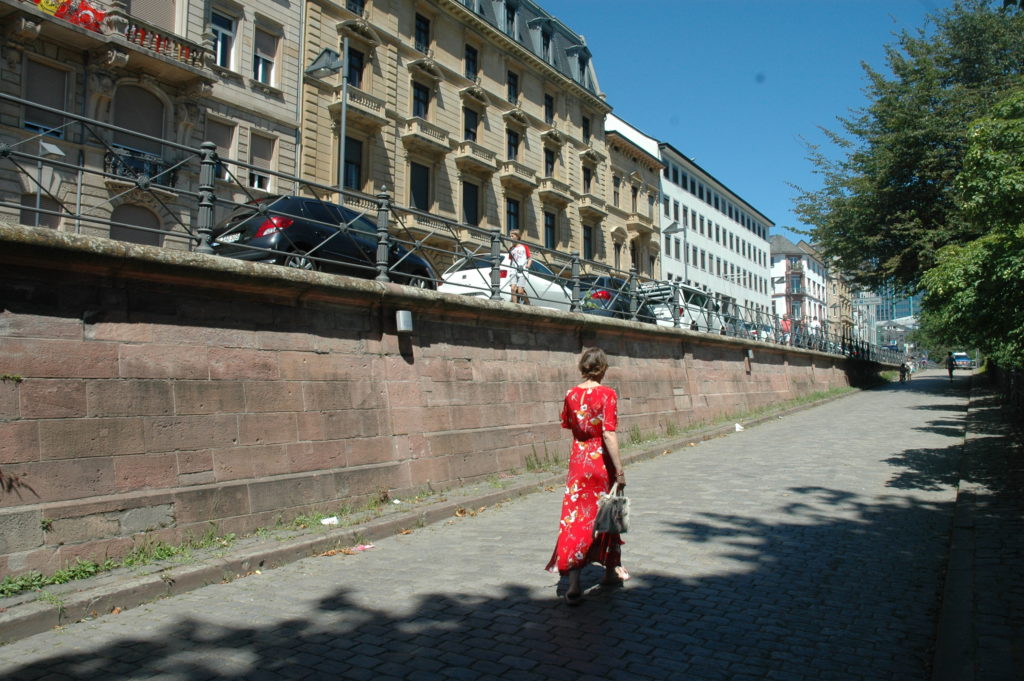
135,215
36,218
140,110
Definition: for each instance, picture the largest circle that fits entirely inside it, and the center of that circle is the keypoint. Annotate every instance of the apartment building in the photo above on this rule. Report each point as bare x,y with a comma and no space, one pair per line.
469,113
633,173
169,72
799,281
712,239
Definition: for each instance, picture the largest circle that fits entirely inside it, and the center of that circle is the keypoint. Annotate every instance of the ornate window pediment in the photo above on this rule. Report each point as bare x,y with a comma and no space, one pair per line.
516,116
361,30
427,67
475,93
554,137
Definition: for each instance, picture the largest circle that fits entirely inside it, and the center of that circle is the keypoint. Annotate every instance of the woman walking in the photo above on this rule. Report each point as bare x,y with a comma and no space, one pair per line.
590,411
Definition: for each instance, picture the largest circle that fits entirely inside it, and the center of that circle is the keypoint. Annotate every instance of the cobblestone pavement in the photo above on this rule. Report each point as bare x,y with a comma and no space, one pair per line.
809,547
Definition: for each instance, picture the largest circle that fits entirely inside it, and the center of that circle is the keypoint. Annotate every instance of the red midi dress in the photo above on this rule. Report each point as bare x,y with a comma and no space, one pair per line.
588,413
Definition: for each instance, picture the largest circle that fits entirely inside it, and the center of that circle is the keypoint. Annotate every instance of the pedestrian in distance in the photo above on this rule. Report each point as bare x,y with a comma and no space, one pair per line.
519,258
590,411
904,372
950,364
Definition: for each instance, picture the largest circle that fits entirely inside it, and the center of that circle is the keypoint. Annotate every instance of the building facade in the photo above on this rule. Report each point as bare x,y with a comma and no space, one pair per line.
799,278
712,239
469,113
168,73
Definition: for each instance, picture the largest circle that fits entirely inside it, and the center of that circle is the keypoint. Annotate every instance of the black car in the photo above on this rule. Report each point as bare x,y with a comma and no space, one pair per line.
311,234
607,296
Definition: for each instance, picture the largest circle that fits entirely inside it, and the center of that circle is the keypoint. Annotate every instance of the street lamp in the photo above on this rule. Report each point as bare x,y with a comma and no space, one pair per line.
327,63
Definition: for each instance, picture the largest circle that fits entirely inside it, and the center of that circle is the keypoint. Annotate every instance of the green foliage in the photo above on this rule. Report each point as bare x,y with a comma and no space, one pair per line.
976,288
887,208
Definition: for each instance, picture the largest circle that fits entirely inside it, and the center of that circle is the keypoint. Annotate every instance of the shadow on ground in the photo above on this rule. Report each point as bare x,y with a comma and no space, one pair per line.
843,588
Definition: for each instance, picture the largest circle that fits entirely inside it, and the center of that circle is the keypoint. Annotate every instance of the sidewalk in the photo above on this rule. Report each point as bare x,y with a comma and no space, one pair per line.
812,546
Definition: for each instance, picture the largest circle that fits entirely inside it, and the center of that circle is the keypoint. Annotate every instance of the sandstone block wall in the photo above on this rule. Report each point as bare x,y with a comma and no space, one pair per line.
156,392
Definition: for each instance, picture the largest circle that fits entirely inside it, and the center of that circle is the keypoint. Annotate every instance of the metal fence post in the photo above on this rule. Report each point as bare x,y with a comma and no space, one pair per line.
675,305
574,304
632,294
383,235
207,173
496,265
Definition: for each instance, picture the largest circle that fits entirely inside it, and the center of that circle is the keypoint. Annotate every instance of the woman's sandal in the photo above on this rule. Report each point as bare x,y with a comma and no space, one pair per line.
620,578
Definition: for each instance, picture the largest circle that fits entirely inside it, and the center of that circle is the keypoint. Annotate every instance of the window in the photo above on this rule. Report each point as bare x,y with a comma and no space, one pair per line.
677,249
794,283
355,6
223,29
356,62
588,242
419,186
510,19
472,59
127,215
511,215
420,100
470,203
264,57
549,109
549,163
261,155
668,244
422,36
34,218
513,87
353,171
512,137
223,135
159,13
675,210
588,177
550,240
633,194
138,109
616,183
470,124
545,46
582,64
585,124
47,86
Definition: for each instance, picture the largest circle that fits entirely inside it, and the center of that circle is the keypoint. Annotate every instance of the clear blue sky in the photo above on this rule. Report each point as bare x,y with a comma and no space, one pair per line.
737,84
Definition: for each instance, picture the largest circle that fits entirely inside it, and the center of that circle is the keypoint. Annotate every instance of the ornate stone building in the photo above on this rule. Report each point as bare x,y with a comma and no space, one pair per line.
171,73
470,113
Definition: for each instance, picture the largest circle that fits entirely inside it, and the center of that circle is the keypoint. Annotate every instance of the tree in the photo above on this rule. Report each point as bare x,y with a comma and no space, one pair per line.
886,208
975,289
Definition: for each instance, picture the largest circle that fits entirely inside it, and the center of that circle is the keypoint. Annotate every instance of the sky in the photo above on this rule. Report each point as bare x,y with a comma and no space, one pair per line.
741,86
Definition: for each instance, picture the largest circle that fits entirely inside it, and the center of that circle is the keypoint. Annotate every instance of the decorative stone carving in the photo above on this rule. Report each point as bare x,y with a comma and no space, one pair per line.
23,29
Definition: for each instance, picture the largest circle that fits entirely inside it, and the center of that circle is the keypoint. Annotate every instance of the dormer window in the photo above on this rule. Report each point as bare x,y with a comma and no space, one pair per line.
510,19
545,46
582,62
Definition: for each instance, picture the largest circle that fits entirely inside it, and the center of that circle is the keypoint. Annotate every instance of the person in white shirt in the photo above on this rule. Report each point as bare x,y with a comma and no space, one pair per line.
519,258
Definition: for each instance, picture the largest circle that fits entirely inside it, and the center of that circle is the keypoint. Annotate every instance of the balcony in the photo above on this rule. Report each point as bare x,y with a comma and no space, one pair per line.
554,191
364,111
421,135
638,223
591,207
120,40
472,157
138,169
515,175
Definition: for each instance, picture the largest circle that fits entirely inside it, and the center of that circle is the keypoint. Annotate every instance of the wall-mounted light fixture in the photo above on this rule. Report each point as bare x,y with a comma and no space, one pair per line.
403,321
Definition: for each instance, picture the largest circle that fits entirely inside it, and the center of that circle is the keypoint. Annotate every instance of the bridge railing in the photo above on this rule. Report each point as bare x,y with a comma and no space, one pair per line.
193,192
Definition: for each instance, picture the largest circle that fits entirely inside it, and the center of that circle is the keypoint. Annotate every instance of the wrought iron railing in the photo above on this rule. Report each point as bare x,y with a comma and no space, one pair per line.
373,237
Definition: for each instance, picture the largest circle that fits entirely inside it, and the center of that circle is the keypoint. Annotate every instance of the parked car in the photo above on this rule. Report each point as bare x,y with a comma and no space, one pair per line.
314,235
963,360
471,276
608,296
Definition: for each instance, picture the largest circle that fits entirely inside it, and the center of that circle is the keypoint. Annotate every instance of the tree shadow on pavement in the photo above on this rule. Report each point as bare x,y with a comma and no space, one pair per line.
835,587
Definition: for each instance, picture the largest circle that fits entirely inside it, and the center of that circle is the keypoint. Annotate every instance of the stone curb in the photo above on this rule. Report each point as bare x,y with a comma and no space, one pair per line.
103,594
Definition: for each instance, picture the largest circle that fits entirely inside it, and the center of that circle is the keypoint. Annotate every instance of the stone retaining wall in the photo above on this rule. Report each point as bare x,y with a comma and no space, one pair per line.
149,391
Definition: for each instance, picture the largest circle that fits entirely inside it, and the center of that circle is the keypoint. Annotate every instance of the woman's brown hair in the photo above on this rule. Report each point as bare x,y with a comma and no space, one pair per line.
593,363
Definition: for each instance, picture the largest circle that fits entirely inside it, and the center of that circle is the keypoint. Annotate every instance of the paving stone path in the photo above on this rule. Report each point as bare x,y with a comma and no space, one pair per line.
809,547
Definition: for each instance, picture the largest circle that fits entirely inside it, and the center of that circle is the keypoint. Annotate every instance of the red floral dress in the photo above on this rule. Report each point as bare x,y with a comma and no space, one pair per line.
588,413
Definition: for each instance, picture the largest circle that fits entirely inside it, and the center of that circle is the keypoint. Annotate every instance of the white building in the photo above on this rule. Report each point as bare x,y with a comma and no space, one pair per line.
799,279
712,239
